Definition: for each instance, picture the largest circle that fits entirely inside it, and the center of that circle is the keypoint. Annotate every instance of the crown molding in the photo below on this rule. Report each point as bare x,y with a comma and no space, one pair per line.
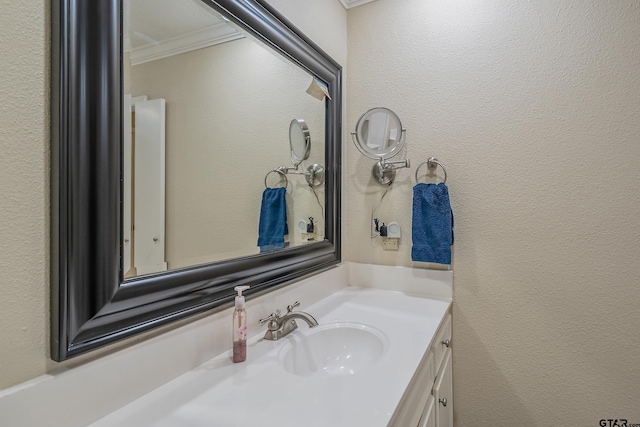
349,4
210,36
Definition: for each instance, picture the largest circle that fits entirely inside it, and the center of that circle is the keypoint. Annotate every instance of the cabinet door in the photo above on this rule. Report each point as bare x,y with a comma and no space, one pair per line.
408,412
443,393
428,418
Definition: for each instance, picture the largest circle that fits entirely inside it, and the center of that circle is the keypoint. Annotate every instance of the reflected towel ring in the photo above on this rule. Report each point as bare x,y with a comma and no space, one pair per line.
432,164
282,175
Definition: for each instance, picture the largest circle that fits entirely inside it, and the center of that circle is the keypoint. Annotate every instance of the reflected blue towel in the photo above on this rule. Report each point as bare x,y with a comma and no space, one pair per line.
432,224
273,219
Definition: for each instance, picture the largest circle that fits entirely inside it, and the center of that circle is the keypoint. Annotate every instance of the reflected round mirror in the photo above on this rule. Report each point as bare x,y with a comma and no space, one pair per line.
299,140
379,133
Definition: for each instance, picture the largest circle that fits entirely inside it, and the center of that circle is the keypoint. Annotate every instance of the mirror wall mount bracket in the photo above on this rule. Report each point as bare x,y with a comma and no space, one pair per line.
314,175
92,305
384,172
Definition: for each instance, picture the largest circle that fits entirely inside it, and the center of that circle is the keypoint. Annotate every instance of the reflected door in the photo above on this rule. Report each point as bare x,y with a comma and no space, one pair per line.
149,187
127,198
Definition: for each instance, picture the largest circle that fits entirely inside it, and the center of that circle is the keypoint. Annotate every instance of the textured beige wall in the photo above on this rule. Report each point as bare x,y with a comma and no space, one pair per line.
24,189
323,21
533,108
24,175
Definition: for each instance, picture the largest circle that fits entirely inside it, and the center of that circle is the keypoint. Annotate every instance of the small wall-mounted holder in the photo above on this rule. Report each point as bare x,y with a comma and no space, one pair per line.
307,230
380,229
391,236
380,136
393,230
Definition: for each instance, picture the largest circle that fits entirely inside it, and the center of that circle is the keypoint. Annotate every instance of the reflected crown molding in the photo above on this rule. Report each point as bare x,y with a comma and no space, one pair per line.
349,4
210,36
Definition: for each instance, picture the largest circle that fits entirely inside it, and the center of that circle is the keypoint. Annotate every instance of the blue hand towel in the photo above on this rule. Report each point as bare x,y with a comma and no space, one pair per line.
273,219
432,224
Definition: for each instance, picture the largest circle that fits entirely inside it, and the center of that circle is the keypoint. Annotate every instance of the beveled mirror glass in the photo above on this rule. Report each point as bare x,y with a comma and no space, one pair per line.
92,302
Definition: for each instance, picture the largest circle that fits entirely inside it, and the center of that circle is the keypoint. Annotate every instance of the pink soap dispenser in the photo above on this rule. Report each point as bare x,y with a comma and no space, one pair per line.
239,327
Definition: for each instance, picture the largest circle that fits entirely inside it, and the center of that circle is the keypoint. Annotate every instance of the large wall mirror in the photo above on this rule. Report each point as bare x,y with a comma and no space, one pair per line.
170,121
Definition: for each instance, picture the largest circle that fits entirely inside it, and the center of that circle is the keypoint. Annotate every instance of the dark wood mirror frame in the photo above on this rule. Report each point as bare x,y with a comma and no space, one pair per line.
91,304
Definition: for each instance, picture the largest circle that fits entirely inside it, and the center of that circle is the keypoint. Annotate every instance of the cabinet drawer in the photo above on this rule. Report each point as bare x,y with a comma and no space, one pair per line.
442,336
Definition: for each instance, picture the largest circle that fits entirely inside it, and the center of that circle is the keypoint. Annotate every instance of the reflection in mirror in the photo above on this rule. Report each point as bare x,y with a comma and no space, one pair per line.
379,133
202,125
299,141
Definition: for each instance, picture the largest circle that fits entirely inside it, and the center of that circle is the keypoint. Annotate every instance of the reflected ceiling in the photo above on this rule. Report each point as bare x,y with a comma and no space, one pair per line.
168,27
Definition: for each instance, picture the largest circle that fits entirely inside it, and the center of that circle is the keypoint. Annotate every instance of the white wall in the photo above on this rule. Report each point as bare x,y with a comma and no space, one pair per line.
24,177
533,109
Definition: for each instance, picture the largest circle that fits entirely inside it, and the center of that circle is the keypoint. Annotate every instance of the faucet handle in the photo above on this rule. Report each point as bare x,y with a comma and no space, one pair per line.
292,306
269,318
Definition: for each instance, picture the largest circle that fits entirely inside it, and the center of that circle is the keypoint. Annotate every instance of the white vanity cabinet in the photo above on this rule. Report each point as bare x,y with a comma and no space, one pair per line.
428,400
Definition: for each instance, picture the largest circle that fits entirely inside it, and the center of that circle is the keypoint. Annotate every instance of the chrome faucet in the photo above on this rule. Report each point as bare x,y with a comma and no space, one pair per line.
280,326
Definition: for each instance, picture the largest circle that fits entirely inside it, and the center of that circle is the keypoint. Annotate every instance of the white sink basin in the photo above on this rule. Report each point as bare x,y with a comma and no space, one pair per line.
334,349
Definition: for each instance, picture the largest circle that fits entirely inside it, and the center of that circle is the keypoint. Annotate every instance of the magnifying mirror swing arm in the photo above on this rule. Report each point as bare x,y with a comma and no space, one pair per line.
288,170
384,171
314,174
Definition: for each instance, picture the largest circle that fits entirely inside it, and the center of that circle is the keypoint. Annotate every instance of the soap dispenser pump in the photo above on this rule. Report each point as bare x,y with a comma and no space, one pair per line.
239,327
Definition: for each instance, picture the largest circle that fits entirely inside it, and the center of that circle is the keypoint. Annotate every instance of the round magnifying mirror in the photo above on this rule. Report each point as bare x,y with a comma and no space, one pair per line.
299,140
379,133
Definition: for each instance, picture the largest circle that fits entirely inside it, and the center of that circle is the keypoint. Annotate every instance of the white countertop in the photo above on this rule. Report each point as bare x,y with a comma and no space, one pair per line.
259,392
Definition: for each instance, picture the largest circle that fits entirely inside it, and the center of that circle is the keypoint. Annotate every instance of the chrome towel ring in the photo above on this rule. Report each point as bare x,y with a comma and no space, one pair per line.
279,172
432,164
